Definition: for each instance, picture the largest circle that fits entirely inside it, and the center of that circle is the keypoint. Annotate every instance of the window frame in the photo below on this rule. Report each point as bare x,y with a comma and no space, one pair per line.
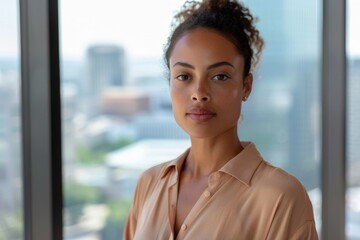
41,120
333,170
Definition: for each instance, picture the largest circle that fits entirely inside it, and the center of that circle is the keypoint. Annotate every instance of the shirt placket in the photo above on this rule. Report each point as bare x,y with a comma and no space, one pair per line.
214,183
172,202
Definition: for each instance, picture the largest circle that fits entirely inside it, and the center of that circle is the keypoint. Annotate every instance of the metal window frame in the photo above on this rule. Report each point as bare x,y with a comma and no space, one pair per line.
333,119
41,120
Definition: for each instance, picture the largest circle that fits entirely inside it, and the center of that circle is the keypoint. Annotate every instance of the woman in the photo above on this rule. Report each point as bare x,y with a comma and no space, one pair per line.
220,188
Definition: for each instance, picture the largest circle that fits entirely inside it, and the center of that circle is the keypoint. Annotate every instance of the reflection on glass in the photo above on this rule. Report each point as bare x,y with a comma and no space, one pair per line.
117,116
353,122
11,210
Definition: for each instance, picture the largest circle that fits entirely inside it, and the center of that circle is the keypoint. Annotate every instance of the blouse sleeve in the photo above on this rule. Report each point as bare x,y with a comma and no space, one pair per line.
293,218
142,187
131,222
306,232
130,226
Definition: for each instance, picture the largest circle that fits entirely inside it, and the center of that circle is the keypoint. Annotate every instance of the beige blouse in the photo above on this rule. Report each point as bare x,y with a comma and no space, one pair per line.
247,198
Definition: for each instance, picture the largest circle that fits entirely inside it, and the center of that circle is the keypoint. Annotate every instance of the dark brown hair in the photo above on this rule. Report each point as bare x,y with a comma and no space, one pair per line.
229,17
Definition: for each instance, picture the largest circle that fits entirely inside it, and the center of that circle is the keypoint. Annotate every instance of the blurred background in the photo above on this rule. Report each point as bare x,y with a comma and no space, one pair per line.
117,117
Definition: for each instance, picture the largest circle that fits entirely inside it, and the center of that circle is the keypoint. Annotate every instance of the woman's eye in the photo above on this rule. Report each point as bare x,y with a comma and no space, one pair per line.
221,77
183,77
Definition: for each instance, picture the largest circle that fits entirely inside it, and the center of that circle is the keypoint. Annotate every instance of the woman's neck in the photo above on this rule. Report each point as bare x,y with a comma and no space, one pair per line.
210,154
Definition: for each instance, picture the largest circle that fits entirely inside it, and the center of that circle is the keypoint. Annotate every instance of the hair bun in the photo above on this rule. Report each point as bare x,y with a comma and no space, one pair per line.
229,17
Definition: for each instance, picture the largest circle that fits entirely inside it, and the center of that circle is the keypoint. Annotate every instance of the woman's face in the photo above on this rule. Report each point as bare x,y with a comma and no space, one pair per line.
207,83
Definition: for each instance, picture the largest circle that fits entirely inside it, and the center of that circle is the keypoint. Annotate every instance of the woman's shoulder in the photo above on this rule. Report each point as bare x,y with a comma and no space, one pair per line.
279,176
151,175
160,170
155,172
270,178
274,189
265,176
148,181
278,190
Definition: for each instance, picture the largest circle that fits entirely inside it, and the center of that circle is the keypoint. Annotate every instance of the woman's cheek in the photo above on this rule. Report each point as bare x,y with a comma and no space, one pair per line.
176,95
234,93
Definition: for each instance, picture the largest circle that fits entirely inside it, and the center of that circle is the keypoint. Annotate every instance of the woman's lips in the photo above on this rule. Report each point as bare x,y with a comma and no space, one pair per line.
200,114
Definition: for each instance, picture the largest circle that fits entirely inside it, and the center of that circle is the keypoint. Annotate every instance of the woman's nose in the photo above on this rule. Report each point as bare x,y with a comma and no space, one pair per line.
200,94
198,97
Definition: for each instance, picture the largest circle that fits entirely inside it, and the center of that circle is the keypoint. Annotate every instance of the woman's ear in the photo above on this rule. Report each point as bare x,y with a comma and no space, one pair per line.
247,86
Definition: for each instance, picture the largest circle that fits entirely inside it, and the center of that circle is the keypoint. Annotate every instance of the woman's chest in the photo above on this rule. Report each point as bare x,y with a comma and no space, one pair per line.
218,212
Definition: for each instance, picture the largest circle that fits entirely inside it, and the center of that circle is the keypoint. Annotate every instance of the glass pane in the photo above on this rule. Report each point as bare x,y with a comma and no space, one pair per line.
11,203
283,113
353,122
117,110
113,89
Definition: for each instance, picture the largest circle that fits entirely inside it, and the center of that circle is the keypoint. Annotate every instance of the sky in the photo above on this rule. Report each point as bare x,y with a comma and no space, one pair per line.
142,29
353,30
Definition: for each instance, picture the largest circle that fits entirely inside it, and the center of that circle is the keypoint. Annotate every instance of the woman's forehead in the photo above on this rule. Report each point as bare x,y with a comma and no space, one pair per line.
207,46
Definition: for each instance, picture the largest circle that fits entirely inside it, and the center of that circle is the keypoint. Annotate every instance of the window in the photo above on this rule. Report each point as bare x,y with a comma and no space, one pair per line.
353,122
11,210
116,108
113,89
283,113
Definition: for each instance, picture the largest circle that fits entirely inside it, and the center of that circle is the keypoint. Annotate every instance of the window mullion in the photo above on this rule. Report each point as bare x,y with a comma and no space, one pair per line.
333,120
41,120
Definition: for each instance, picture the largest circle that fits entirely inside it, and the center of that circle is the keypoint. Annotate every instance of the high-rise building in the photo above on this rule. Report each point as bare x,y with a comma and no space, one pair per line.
105,65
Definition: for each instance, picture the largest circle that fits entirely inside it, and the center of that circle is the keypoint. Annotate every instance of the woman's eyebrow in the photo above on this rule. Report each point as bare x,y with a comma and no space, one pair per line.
183,64
215,65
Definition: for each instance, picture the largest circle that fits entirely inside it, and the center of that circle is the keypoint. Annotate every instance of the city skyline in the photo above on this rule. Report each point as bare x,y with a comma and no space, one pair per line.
282,116
95,28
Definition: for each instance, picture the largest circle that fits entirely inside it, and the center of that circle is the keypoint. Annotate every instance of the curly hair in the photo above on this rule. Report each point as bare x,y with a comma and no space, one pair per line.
229,17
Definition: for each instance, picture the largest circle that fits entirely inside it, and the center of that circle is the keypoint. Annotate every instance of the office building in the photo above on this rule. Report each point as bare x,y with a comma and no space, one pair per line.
105,66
